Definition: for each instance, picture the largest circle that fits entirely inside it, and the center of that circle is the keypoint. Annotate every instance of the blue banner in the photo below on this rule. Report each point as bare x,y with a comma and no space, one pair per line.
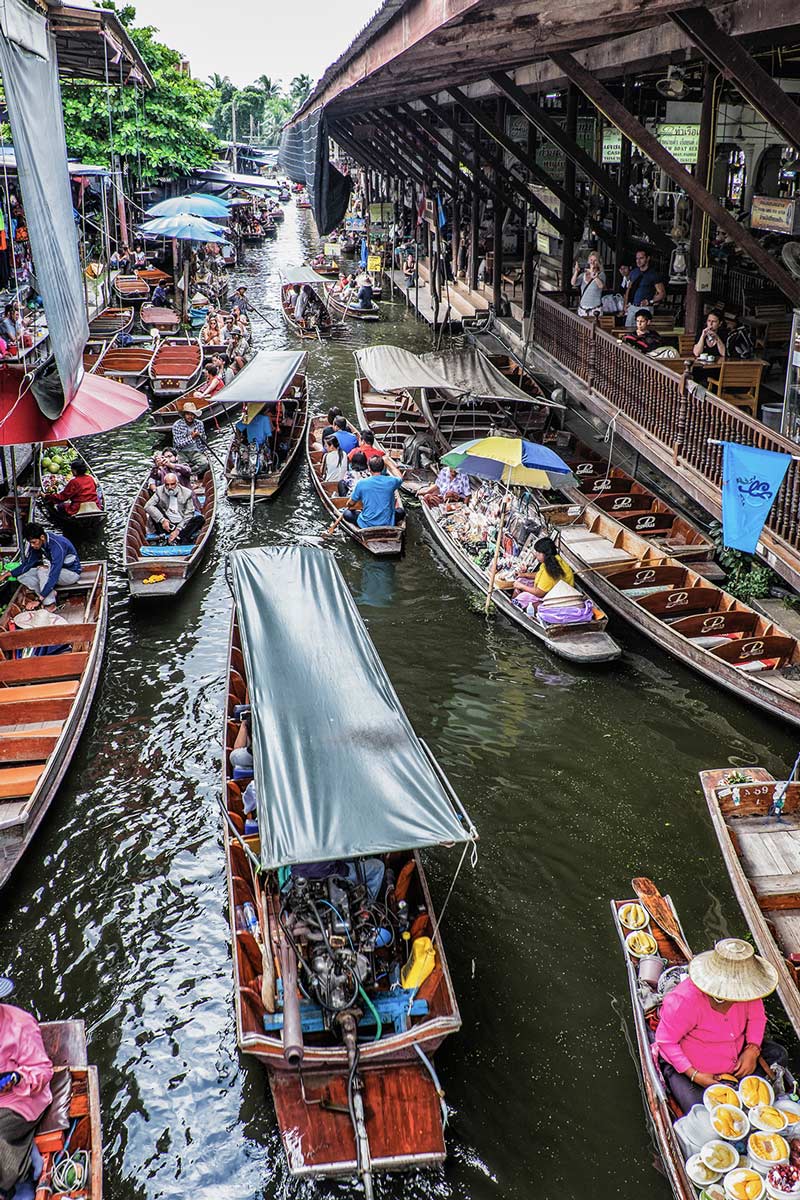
750,482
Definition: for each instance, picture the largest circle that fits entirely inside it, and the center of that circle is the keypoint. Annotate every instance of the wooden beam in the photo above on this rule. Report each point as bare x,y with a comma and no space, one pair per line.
733,62
583,161
705,168
437,170
435,162
369,156
649,145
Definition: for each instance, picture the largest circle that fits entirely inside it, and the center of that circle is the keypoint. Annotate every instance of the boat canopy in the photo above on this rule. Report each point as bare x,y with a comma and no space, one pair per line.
470,371
264,379
391,369
301,275
338,770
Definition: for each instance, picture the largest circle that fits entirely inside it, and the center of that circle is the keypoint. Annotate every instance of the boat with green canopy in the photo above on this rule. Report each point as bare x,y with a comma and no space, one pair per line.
341,984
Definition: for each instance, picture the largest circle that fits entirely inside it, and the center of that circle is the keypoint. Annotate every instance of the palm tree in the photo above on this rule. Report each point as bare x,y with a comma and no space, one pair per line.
299,89
271,90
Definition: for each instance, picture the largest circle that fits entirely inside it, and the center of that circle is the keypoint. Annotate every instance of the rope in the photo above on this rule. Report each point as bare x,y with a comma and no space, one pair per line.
443,909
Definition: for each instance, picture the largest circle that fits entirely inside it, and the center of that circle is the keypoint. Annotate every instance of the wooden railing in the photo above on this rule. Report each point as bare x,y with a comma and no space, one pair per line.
684,423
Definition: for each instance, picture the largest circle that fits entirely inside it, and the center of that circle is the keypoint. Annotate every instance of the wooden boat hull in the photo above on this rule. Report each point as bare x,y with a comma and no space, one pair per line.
23,501
166,320
586,644
109,323
287,309
348,311
46,750
384,541
265,487
131,289
177,571
65,1045
176,367
211,413
93,353
127,364
82,523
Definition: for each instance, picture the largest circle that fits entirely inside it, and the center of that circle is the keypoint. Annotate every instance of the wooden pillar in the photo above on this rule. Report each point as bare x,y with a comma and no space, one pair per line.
499,213
568,243
475,212
698,230
622,225
455,211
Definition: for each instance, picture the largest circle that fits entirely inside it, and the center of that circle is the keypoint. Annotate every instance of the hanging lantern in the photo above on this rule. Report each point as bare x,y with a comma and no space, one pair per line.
679,264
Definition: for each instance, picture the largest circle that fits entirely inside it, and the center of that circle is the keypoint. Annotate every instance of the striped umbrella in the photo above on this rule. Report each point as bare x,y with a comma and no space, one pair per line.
512,461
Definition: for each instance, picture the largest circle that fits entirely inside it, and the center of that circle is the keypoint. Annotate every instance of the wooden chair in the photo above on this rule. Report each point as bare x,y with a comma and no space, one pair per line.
514,279
686,343
607,322
738,384
663,320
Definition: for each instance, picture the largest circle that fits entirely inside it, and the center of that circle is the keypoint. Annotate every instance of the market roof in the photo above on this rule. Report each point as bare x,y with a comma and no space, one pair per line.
91,41
264,379
391,368
338,770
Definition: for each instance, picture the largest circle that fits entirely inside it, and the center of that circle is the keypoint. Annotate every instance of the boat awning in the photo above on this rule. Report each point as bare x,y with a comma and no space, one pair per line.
391,368
264,379
339,772
231,180
301,275
470,371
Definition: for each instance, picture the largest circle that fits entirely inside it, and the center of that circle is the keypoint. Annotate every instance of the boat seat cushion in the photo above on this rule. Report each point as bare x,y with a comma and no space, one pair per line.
166,551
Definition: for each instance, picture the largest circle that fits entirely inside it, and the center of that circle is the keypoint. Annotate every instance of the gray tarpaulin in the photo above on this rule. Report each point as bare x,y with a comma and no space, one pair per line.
339,771
37,127
264,379
304,157
302,275
470,371
391,368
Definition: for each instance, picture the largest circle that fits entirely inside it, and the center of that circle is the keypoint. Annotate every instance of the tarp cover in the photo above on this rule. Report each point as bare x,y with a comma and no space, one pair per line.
391,368
304,157
339,771
469,371
37,126
264,379
231,180
301,275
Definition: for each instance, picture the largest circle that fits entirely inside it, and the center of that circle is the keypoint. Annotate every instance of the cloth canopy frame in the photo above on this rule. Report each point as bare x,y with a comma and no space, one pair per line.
393,369
301,275
264,379
339,772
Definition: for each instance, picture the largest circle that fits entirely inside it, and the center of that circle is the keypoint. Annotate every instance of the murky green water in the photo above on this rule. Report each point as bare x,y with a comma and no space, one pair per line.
577,781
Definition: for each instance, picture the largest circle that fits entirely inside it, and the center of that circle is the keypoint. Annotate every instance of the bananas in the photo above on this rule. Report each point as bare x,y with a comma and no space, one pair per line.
633,916
755,1091
641,943
767,1117
769,1147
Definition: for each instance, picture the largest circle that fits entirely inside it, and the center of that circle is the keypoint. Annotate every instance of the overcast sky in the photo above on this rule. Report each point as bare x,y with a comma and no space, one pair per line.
248,38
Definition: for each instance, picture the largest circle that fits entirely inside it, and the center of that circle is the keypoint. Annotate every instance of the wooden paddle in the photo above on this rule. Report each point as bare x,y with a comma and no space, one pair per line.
661,912
336,523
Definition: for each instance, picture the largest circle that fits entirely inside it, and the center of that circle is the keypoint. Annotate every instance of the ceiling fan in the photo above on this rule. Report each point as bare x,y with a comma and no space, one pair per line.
674,87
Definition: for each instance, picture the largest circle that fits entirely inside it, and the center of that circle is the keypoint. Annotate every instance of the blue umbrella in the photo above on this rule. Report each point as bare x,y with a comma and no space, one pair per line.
197,206
185,228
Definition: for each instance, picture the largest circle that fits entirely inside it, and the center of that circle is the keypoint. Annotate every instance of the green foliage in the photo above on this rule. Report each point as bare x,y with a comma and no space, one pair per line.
747,578
261,108
167,129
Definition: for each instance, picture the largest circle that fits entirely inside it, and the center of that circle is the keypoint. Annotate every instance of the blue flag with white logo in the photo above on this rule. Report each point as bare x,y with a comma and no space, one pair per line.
750,482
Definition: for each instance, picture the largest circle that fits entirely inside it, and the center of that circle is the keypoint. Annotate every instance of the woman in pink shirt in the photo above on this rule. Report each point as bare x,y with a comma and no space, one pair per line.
27,1072
712,1024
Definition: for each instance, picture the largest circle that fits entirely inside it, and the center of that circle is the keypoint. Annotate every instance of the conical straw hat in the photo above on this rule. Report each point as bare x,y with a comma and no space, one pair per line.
733,971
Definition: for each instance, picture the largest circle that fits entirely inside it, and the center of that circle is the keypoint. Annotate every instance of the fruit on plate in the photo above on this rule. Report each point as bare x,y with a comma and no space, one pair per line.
755,1091
633,916
720,1093
765,1116
699,1173
785,1178
714,1192
769,1147
744,1185
729,1122
641,943
719,1156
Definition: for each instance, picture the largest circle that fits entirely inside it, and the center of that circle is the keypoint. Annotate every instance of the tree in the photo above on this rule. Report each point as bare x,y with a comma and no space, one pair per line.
271,90
166,130
299,89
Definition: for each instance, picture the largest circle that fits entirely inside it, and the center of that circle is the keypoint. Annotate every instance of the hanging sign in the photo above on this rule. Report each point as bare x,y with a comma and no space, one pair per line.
374,263
774,213
331,250
381,214
682,141
612,145
551,158
750,482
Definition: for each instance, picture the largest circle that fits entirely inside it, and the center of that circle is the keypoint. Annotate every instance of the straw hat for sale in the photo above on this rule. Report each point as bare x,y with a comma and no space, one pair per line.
733,971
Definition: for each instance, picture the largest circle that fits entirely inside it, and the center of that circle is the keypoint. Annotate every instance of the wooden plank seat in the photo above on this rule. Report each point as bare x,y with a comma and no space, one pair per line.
605,484
680,601
751,649
18,782
27,749
46,666
57,690
48,635
777,891
619,502
721,623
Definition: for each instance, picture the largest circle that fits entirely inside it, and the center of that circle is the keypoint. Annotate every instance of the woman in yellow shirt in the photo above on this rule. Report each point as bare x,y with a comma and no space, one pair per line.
553,568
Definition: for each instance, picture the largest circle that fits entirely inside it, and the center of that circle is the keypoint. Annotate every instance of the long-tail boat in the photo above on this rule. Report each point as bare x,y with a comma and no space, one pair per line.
757,822
383,541
127,364
350,309
167,568
398,424
71,1122
276,378
44,703
302,276
155,316
93,353
90,515
109,323
323,994
176,367
131,288
684,613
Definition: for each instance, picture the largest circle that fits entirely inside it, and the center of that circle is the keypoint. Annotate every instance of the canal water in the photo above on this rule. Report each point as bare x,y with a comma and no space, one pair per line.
577,781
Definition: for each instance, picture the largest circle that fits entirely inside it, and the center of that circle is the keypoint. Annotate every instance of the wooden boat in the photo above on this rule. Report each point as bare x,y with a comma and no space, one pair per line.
681,611
454,418
761,850
659,1105
89,516
277,214
251,238
177,568
15,511
328,268
93,353
211,413
76,1099
322,329
44,704
153,276
153,316
131,288
228,252
399,427
109,323
584,642
384,541
302,202
292,594
127,364
176,367
343,310
634,506
276,378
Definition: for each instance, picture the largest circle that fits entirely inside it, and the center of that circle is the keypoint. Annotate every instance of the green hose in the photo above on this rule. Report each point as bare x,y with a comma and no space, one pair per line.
374,1012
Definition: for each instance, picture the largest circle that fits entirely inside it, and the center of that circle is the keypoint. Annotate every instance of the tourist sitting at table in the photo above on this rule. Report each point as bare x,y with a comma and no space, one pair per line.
552,569
591,281
376,494
335,463
710,343
159,298
26,1095
450,485
81,489
712,1024
172,509
189,439
50,561
643,338
646,288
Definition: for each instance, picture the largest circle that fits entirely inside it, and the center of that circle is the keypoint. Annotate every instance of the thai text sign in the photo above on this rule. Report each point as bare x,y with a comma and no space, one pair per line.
374,263
774,213
681,140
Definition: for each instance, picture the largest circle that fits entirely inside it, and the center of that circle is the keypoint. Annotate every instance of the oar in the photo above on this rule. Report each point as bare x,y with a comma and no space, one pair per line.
336,523
260,314
252,496
661,912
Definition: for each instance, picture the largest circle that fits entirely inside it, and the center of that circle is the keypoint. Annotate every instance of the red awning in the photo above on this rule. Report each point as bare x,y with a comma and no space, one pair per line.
99,405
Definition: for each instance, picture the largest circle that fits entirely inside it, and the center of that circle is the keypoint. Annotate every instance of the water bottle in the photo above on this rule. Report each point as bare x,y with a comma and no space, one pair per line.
250,917
239,920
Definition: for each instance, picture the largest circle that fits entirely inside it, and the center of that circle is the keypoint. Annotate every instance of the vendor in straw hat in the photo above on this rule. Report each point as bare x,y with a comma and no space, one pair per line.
713,1023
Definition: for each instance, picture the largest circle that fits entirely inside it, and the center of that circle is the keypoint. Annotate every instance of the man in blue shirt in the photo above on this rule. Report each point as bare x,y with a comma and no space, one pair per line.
377,497
50,562
646,288
347,440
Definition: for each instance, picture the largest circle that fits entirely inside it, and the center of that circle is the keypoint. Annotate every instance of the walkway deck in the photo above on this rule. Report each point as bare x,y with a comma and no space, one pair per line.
464,304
